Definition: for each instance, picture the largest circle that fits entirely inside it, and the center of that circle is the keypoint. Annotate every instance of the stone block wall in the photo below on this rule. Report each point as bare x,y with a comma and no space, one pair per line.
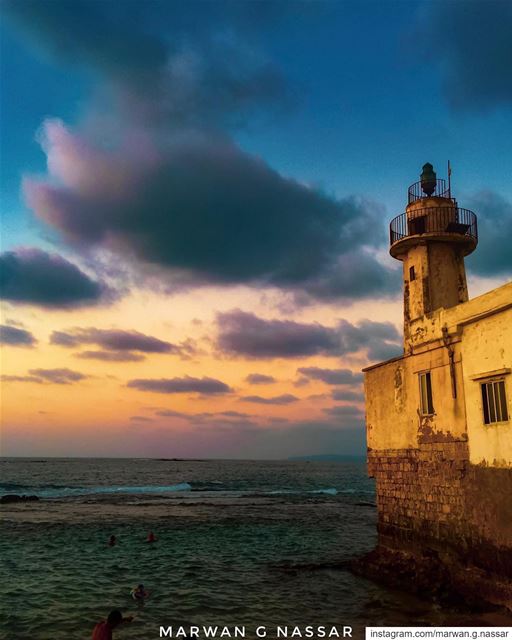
432,497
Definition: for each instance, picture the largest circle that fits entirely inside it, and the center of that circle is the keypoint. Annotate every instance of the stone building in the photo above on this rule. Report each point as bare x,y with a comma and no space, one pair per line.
439,418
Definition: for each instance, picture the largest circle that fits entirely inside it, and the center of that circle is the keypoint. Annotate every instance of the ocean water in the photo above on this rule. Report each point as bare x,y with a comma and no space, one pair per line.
239,543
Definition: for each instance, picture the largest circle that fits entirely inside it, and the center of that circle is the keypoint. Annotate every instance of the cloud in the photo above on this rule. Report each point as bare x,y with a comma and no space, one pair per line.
346,410
214,420
331,376
58,376
168,207
111,356
9,378
259,378
51,376
234,414
245,334
140,419
166,62
118,343
187,384
170,413
33,276
155,176
493,256
344,394
15,337
285,398
474,60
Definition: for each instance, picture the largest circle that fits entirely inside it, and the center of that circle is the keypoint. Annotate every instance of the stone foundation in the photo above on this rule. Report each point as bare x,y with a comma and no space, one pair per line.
445,516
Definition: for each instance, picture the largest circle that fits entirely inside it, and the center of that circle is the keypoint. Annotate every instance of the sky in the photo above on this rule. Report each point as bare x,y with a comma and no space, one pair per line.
195,201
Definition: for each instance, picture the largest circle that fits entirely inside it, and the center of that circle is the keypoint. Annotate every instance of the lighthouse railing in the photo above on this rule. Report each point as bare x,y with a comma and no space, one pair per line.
441,189
451,220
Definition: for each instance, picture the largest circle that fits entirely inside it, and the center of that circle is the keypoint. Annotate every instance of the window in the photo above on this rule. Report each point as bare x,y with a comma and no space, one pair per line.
412,274
426,403
417,225
494,401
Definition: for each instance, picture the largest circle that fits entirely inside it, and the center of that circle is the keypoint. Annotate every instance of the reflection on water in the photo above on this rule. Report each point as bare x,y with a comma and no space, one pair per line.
245,543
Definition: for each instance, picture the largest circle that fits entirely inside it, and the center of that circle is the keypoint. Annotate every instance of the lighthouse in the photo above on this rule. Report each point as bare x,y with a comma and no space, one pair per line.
439,417
431,239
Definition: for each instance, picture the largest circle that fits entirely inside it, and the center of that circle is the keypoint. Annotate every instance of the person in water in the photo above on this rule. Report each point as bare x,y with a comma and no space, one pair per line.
139,593
103,630
151,537
112,541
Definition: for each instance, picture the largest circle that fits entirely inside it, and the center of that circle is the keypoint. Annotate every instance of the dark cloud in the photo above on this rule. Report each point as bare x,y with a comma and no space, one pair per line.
140,419
331,376
380,339
204,386
8,378
472,45
189,63
493,256
16,337
204,416
259,378
285,398
344,394
170,413
58,376
118,340
111,356
245,334
171,188
209,213
235,414
52,376
346,410
33,276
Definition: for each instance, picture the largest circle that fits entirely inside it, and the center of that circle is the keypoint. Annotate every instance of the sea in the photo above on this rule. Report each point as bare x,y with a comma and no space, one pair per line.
239,543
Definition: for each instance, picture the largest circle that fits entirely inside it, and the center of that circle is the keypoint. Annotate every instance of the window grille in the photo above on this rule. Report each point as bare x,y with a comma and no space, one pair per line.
494,401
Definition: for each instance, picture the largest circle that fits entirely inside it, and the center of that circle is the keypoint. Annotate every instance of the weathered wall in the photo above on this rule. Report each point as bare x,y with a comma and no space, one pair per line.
444,482
392,401
447,275
433,498
486,347
435,494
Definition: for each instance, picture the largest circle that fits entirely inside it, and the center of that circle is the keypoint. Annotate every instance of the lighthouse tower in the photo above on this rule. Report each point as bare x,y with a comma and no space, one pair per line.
439,418
431,239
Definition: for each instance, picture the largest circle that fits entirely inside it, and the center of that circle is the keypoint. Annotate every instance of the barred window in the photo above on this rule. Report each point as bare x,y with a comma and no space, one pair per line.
426,402
494,401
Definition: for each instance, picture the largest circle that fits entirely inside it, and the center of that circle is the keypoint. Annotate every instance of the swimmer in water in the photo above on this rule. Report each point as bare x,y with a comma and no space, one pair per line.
151,537
103,630
112,541
139,593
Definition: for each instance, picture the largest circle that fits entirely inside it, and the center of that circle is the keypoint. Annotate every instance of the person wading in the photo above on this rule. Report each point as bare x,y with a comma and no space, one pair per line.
103,630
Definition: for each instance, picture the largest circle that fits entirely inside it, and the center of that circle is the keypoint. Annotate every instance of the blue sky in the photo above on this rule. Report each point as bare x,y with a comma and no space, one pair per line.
367,106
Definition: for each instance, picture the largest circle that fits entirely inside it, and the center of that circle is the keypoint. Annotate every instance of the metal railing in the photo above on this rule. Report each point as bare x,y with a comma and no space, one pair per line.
434,220
442,190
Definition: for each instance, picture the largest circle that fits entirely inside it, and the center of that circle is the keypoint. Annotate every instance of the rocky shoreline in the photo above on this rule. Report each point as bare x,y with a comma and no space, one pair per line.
445,580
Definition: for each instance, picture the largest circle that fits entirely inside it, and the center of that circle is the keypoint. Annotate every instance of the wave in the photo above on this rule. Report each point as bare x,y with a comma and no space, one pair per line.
62,491
211,487
217,486
331,491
